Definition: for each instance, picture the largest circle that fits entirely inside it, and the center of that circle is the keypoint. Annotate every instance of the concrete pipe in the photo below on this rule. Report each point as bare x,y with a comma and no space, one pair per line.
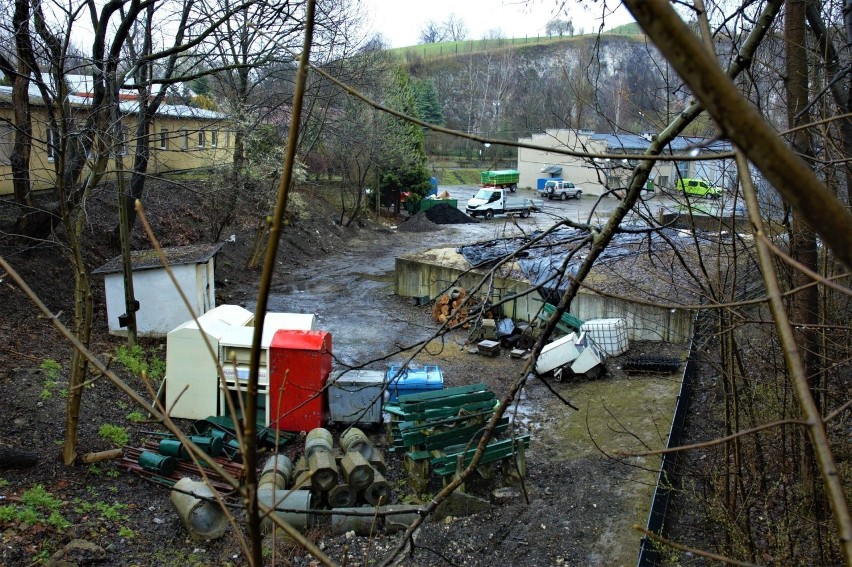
399,522
318,439
342,496
355,440
377,460
323,470
356,470
379,492
296,502
278,470
203,519
362,525
303,480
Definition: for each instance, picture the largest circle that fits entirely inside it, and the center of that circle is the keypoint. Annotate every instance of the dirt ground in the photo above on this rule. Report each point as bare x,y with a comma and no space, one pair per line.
576,505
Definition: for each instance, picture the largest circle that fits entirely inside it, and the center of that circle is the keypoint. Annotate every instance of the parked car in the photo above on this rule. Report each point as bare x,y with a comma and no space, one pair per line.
554,189
697,187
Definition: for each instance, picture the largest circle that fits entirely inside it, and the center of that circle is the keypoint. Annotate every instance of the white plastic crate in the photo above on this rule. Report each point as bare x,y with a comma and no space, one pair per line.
609,334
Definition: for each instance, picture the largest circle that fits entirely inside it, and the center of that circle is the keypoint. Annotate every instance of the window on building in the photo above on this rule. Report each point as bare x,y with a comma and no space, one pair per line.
214,138
164,138
682,168
227,138
122,141
7,143
184,137
201,138
52,144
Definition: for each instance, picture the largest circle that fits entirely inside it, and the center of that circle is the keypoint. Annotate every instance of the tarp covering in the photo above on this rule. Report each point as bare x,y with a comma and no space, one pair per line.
546,262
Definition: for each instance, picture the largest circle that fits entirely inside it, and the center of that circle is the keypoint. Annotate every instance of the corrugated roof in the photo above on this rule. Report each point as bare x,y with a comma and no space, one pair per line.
632,143
175,255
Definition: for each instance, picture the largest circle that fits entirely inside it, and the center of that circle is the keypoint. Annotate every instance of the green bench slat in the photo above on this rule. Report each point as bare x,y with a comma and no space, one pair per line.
493,452
438,413
452,401
452,436
408,426
437,394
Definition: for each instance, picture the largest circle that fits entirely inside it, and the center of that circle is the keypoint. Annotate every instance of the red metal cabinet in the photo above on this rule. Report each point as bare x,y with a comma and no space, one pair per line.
299,365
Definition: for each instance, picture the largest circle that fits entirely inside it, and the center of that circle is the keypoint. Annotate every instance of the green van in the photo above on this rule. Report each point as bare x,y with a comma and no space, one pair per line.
698,187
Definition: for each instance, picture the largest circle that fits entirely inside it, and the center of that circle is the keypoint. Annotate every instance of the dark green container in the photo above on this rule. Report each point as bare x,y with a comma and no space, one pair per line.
173,448
210,445
156,463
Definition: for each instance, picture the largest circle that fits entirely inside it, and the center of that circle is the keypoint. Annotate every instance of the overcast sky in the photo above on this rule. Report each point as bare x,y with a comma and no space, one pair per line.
401,21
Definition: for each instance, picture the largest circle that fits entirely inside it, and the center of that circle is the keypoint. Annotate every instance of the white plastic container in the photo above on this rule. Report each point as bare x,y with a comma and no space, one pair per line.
608,334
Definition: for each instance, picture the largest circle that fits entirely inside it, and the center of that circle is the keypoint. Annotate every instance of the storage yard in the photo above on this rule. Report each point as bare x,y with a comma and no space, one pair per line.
552,490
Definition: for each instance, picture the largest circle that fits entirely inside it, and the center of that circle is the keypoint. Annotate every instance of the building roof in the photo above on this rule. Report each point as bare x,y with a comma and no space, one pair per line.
175,256
128,100
633,143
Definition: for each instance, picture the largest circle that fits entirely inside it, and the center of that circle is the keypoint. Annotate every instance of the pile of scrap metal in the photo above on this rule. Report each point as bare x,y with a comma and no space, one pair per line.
583,354
439,431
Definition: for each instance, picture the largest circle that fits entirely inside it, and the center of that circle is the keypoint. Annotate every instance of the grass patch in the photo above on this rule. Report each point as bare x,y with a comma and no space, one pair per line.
114,433
136,416
137,360
39,507
50,368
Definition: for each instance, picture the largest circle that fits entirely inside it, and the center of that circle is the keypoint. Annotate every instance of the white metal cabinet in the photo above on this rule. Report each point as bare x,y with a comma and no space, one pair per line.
556,354
191,372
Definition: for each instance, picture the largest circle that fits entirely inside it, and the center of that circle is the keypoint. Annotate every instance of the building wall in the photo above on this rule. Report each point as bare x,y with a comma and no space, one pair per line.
174,144
593,174
419,278
161,308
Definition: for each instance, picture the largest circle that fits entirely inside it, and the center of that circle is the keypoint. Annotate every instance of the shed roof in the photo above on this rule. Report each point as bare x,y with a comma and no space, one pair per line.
175,256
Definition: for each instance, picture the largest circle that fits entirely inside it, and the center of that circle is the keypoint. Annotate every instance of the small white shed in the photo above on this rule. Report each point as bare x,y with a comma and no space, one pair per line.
161,308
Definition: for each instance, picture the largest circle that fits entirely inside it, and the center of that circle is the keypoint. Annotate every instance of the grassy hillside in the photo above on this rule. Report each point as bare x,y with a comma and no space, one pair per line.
451,48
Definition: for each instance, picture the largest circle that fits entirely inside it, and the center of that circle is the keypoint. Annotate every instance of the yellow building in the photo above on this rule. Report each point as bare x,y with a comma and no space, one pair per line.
181,137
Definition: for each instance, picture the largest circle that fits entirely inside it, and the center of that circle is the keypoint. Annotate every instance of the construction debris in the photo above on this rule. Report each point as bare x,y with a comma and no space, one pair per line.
488,348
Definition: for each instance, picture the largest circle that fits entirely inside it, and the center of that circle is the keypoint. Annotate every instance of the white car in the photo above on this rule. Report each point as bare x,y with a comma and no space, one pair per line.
554,189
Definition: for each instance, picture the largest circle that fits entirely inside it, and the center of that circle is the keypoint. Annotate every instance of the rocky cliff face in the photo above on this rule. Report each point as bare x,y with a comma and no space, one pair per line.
605,83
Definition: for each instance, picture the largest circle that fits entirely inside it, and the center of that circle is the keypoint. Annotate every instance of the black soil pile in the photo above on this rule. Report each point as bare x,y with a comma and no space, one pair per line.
446,214
419,223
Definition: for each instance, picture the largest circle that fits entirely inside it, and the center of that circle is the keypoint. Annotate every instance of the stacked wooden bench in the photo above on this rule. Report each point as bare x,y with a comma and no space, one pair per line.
440,430
567,323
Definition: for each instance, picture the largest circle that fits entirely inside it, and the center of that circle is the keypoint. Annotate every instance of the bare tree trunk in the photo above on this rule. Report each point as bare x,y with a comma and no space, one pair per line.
83,331
804,243
20,159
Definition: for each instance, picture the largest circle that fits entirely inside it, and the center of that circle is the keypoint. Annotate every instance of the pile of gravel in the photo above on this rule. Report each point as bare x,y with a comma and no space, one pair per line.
418,223
446,214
